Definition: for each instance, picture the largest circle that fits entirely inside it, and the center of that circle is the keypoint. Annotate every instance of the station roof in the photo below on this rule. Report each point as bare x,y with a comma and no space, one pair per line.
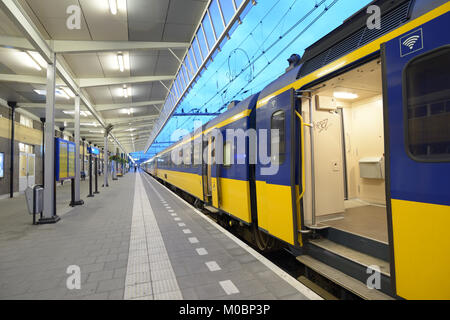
150,35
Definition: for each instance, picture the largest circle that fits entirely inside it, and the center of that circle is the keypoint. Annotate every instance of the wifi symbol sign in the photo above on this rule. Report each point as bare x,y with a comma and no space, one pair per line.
411,41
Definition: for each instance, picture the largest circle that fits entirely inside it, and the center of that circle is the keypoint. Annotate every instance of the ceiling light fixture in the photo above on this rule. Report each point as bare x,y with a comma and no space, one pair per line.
89,124
113,6
83,113
38,58
120,61
126,91
68,92
345,95
62,93
29,60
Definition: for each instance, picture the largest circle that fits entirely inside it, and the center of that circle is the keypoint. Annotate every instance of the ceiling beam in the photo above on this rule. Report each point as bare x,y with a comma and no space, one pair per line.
113,121
115,106
18,78
24,23
15,42
68,46
97,82
83,82
30,105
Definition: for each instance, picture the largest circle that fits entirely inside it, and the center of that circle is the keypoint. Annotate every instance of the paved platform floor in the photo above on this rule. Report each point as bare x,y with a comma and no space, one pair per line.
135,240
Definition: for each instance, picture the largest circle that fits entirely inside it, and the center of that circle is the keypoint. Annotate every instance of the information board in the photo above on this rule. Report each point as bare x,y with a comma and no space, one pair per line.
71,159
94,151
64,159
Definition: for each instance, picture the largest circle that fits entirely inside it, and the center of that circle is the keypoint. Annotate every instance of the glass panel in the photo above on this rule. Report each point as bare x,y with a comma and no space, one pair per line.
277,141
197,154
186,74
216,18
23,165
227,10
192,61
201,41
227,154
197,52
187,155
428,106
178,85
31,165
25,121
208,31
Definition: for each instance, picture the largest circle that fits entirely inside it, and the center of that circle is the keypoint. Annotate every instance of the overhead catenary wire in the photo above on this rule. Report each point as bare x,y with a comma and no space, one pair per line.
302,19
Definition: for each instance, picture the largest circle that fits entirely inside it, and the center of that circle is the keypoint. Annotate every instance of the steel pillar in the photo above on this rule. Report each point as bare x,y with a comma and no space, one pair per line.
77,201
49,213
105,160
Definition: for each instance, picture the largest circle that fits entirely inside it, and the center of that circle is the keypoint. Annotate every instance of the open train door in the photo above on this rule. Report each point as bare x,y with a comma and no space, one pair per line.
210,173
416,89
276,179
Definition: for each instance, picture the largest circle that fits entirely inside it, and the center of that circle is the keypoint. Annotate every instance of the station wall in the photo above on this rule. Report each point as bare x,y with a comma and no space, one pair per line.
30,136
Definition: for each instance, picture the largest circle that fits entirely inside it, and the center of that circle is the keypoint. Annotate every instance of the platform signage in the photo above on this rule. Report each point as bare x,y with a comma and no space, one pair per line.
94,151
64,159
71,160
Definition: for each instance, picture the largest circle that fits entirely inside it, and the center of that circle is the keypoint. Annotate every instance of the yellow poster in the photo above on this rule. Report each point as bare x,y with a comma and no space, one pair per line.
62,160
71,160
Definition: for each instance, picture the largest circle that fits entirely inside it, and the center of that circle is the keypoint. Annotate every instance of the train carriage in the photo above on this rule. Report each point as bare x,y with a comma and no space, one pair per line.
360,182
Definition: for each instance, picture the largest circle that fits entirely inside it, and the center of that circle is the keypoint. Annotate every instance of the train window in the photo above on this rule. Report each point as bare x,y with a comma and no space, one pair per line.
427,96
227,154
278,141
197,154
187,155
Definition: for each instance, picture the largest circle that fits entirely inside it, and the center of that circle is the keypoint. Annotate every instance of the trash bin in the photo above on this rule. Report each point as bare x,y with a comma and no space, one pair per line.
35,200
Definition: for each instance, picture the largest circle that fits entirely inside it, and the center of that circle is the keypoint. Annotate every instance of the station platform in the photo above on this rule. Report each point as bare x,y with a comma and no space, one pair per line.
134,240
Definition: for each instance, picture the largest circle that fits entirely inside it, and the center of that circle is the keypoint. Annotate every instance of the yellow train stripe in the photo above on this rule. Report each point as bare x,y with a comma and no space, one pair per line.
421,249
189,182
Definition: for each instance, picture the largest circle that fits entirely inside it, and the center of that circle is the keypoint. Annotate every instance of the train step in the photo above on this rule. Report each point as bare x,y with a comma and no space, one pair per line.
353,263
356,242
342,279
363,259
211,209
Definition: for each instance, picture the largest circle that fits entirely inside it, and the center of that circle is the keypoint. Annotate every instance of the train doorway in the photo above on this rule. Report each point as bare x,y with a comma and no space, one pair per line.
207,171
348,174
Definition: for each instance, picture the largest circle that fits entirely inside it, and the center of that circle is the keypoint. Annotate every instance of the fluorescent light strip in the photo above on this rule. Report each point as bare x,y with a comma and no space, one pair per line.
68,92
113,6
126,91
345,95
38,58
120,61
29,60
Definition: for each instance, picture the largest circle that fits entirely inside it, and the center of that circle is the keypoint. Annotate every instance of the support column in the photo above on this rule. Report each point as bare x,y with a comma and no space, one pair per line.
43,150
77,200
12,105
49,213
105,160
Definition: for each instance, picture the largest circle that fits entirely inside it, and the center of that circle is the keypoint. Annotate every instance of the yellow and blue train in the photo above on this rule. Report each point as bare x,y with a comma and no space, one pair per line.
406,63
